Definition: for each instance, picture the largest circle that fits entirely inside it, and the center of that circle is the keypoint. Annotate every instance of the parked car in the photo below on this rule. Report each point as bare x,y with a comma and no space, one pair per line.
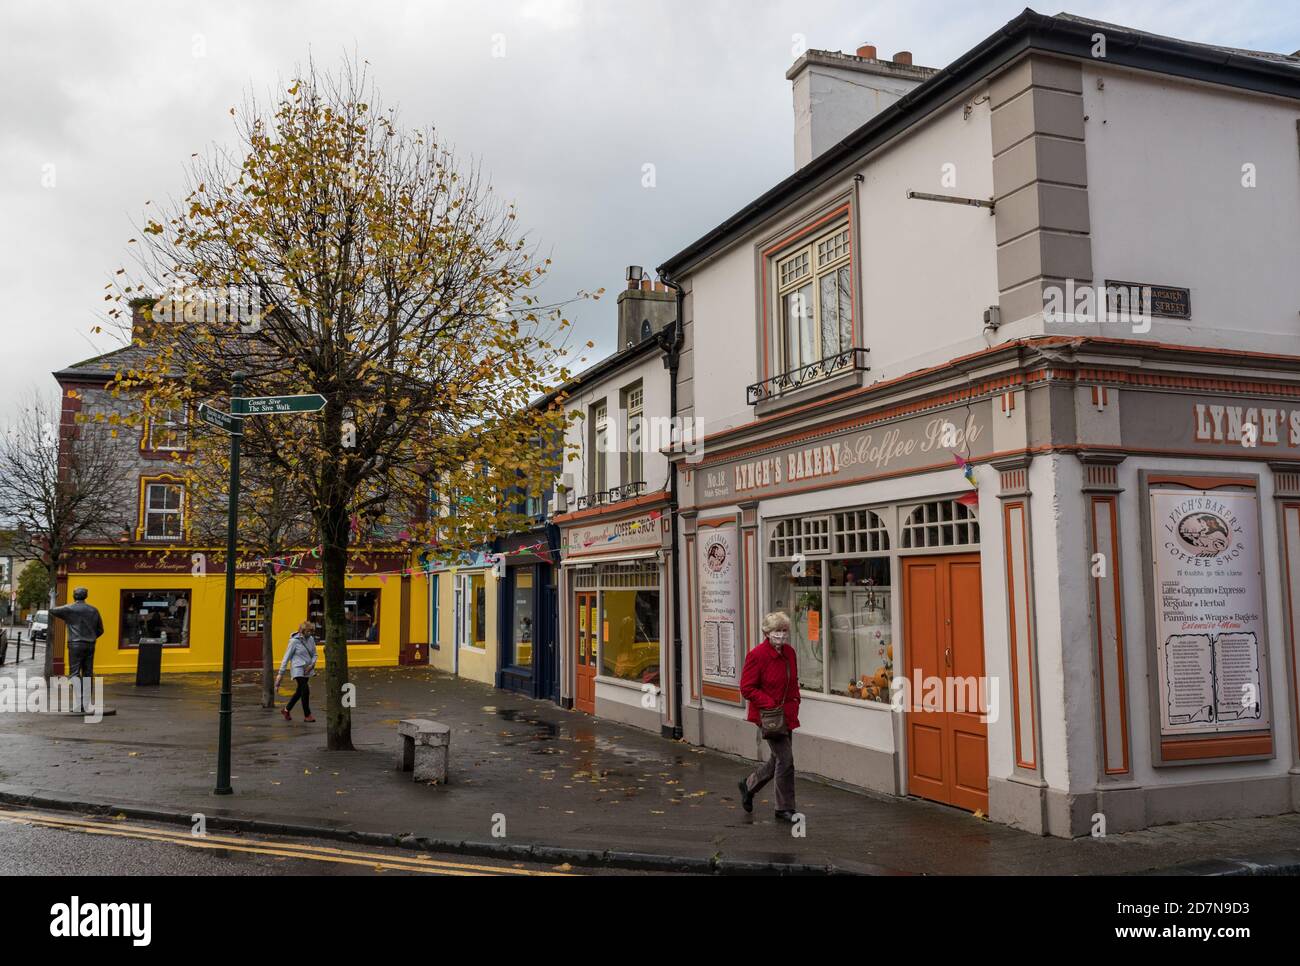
39,626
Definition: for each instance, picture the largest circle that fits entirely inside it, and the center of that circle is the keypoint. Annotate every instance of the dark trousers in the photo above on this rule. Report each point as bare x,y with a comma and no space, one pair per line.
81,668
303,692
81,660
779,765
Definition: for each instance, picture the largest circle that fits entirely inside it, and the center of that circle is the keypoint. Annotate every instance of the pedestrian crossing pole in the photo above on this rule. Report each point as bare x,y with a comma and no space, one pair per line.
236,431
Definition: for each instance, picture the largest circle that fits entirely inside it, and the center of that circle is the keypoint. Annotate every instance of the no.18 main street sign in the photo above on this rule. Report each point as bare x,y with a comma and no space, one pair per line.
257,405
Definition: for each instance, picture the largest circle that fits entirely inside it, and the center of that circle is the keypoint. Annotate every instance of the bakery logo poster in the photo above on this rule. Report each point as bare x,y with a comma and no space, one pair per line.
1209,610
719,604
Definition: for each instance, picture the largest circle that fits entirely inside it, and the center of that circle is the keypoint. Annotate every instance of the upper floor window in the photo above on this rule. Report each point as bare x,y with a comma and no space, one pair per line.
599,479
168,428
634,461
814,299
163,510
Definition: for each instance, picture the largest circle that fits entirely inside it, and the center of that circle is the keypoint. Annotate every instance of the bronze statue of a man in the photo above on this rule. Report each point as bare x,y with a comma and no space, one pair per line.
85,627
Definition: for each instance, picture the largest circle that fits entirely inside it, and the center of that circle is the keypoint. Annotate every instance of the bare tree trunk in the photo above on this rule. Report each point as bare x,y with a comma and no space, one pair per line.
268,638
334,558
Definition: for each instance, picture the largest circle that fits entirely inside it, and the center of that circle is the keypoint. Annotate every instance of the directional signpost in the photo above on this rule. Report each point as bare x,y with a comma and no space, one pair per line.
260,405
233,423
217,418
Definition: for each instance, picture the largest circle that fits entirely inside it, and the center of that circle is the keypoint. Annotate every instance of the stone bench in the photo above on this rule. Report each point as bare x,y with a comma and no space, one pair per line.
423,748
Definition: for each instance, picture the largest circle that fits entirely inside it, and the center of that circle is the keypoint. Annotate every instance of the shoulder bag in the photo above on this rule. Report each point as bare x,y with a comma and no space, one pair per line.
772,720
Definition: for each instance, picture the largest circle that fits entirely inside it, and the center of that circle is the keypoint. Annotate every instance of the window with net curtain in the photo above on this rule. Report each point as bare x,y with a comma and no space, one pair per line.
814,299
164,511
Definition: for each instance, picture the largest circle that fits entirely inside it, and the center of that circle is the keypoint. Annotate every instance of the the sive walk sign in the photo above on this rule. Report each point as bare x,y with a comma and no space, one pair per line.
256,405
216,418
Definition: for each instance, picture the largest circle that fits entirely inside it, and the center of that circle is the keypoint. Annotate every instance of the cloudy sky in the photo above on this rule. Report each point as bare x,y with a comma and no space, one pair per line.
564,102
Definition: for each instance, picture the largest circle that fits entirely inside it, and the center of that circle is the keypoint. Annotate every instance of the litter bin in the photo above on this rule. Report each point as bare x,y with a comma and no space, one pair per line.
148,668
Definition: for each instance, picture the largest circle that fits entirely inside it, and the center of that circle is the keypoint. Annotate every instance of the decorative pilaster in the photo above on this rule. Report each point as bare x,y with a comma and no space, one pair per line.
1101,491
1014,496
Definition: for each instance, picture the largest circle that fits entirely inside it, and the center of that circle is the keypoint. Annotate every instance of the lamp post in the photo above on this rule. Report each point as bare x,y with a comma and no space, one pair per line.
228,647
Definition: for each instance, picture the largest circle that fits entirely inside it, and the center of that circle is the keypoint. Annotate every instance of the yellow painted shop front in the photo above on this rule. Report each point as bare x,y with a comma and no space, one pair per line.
462,618
158,598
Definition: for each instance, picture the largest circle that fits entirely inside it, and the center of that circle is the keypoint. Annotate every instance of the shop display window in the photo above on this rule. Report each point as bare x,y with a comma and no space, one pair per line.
360,614
155,617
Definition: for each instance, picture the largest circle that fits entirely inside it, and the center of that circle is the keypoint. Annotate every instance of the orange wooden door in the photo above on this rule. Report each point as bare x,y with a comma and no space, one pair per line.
584,688
947,743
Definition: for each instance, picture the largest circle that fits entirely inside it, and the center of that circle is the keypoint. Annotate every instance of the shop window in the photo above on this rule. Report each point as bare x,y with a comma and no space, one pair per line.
360,614
859,638
814,299
522,618
163,509
796,589
943,523
840,607
630,635
478,610
155,616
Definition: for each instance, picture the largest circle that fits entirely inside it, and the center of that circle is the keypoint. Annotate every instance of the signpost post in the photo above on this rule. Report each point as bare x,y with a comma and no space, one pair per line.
236,431
233,423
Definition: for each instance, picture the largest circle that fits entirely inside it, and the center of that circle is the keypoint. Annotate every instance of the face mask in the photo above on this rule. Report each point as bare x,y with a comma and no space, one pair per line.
779,637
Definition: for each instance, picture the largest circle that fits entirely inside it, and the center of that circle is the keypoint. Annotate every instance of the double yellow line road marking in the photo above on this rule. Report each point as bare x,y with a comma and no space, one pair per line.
381,861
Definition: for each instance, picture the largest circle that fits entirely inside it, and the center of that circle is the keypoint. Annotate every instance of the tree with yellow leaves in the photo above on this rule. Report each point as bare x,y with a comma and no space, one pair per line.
371,266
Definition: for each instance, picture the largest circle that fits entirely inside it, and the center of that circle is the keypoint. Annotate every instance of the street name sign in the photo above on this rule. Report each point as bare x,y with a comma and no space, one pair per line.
216,418
258,405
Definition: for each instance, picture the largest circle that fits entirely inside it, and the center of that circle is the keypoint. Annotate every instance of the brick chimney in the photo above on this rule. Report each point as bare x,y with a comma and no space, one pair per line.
836,93
644,308
141,325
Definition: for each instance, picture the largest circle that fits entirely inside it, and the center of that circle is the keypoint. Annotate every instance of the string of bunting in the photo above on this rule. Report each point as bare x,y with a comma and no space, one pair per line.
292,561
968,471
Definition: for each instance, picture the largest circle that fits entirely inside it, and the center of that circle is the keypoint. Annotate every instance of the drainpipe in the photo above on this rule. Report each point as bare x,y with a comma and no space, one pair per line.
672,345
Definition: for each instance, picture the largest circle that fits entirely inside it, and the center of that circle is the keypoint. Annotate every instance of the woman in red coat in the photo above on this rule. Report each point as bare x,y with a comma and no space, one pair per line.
770,679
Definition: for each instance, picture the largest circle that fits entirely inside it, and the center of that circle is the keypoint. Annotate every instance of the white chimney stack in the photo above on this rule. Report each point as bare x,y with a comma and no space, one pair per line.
836,93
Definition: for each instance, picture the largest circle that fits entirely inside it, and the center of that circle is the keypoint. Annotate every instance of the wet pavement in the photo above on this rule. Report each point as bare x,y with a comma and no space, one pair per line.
528,772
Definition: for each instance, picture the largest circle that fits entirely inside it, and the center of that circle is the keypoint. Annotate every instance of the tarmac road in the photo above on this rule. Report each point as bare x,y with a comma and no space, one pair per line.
55,843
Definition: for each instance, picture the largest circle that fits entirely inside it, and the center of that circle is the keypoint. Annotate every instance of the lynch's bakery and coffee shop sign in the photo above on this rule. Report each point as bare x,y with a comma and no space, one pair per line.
914,444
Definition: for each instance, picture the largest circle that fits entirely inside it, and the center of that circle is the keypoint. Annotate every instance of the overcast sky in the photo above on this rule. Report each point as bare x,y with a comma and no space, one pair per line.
112,99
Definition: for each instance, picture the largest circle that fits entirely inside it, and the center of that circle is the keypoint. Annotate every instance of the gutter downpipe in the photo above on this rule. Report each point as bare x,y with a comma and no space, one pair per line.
672,359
